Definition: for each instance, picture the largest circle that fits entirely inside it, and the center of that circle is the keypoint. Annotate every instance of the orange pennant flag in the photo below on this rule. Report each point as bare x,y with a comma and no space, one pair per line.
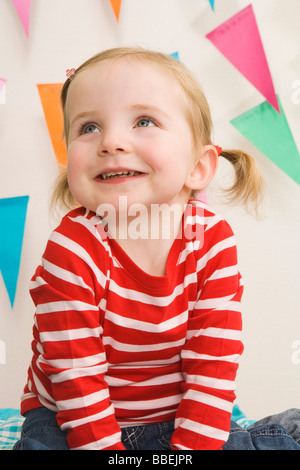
116,5
50,98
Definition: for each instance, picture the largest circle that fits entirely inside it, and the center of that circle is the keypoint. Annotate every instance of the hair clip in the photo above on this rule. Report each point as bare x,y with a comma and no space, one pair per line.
70,73
219,149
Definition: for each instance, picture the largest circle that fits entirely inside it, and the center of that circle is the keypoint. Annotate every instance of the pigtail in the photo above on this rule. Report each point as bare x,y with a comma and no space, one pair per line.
61,197
248,184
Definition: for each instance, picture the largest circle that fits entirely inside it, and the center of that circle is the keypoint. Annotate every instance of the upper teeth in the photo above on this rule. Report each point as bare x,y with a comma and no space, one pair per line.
110,174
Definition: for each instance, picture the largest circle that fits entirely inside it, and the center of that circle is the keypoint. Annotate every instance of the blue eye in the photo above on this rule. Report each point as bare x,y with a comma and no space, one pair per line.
145,122
88,128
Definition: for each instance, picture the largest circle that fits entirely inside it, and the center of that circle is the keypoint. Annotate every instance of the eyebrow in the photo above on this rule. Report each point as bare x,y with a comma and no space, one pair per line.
138,107
148,107
81,115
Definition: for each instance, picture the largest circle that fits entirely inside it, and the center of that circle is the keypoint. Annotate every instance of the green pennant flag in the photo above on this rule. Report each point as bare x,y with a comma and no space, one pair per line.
269,131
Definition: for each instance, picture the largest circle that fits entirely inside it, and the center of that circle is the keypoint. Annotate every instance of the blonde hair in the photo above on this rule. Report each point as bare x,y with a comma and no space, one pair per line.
247,186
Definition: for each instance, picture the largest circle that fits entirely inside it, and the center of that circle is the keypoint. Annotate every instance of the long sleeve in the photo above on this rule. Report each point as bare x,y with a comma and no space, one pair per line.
68,347
211,353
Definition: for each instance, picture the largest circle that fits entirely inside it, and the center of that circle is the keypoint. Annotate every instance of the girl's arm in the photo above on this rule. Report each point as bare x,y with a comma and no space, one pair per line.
210,356
69,357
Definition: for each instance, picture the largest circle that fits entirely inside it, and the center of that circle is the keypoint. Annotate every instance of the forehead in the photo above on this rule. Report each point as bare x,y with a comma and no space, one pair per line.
126,78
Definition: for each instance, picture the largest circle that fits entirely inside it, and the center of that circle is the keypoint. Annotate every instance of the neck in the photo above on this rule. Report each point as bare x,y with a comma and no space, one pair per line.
147,237
160,222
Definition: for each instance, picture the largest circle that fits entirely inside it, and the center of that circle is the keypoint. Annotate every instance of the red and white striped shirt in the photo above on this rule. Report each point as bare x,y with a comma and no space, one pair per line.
115,346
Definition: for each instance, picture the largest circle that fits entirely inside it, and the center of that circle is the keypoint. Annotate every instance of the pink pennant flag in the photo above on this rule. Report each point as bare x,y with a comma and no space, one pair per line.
2,90
238,39
23,10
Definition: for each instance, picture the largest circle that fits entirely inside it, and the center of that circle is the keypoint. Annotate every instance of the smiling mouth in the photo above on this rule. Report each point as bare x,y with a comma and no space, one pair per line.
118,174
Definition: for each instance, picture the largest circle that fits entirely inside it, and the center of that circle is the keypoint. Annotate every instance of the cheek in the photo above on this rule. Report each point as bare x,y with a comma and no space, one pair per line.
73,182
75,168
77,160
158,154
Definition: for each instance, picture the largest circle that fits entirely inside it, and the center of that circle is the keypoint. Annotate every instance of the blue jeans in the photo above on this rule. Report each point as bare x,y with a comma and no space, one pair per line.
40,431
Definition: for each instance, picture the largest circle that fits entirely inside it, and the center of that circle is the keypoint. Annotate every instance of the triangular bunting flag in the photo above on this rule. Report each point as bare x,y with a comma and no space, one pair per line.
23,10
175,55
270,133
50,98
2,90
212,4
238,39
13,215
116,5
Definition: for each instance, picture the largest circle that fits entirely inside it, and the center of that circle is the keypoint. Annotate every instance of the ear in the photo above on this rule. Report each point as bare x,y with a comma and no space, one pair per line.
204,169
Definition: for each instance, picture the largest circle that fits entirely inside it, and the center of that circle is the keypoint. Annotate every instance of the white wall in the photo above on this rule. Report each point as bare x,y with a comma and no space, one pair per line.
63,33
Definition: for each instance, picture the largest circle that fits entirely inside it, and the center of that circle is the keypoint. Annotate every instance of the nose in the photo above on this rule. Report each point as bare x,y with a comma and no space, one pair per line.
112,143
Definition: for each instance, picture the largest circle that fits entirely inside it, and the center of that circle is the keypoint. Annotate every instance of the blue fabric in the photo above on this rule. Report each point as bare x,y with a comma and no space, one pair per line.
6,413
41,432
263,437
11,422
150,437
239,417
10,428
289,419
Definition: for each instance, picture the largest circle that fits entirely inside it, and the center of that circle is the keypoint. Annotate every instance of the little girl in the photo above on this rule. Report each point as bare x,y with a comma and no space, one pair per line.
137,336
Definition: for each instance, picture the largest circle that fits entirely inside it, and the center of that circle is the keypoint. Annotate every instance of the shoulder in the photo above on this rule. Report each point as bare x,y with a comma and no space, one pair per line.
81,224
211,222
76,218
205,232
79,234
217,252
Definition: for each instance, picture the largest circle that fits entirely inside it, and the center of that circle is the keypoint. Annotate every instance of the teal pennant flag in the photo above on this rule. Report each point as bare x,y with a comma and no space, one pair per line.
212,4
175,55
269,131
12,215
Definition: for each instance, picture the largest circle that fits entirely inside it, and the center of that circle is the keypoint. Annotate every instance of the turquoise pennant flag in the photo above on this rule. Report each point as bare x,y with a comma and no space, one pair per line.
175,55
269,131
212,4
12,215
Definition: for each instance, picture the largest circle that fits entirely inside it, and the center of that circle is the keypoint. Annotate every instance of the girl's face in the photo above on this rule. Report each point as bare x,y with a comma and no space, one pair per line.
128,136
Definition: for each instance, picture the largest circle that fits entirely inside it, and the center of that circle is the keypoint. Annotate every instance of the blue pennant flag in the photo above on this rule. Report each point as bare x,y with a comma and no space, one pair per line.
12,216
175,55
212,4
